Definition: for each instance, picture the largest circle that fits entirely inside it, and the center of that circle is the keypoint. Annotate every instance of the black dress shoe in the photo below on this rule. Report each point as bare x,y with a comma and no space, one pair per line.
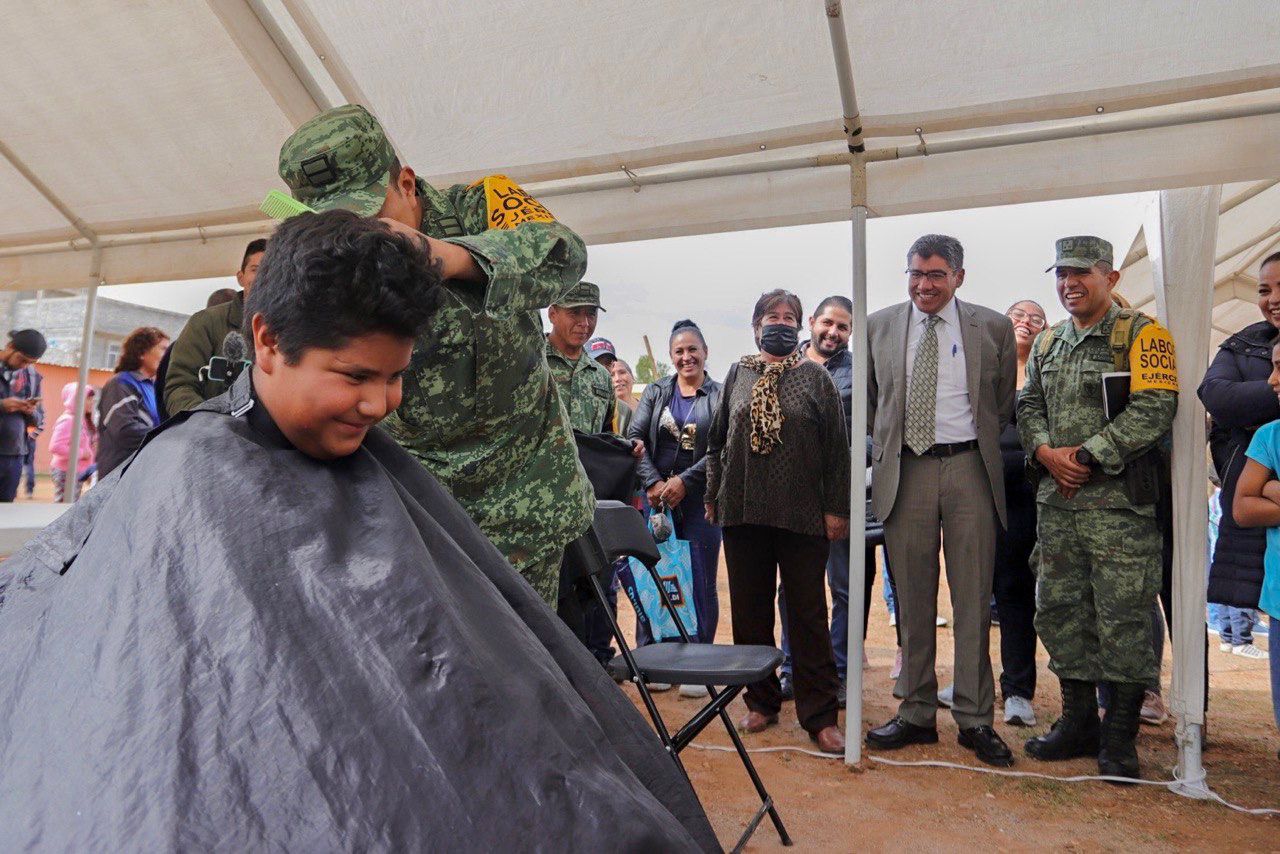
989,747
788,687
898,733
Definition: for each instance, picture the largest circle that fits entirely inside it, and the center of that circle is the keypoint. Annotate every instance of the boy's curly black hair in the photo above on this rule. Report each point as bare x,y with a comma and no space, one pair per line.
329,277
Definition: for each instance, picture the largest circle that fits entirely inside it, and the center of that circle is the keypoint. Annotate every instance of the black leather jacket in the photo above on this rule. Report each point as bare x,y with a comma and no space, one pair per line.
644,426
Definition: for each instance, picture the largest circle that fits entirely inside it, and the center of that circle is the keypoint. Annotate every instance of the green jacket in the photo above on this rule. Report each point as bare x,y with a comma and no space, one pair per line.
200,340
1061,405
586,390
480,410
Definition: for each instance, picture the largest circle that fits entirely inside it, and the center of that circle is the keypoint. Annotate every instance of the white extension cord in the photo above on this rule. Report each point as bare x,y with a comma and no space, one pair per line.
1082,778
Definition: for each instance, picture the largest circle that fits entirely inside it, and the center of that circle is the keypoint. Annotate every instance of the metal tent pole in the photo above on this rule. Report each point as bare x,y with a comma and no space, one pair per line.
82,378
858,403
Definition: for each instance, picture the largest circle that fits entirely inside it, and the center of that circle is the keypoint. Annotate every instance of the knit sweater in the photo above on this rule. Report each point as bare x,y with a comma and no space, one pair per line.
805,476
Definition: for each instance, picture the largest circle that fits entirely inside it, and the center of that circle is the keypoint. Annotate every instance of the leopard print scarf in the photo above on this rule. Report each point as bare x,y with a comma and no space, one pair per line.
766,410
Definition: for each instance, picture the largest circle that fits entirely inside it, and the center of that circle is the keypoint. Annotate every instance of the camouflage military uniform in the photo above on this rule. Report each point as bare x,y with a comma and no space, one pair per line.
1097,555
586,390
480,410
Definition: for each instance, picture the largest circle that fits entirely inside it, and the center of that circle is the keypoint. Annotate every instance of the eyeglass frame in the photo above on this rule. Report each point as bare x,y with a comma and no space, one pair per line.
917,275
1027,317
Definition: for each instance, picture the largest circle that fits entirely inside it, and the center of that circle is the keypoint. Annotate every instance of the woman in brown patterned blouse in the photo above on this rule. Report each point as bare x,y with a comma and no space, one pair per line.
778,483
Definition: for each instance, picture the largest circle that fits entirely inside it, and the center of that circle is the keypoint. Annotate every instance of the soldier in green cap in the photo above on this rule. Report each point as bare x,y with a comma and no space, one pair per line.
586,389
480,410
1099,461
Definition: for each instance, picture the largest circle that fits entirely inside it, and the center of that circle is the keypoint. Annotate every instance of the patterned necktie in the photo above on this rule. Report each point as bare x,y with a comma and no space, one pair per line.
922,400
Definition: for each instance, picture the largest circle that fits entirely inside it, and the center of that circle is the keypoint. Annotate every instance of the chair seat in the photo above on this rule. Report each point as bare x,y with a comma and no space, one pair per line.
700,663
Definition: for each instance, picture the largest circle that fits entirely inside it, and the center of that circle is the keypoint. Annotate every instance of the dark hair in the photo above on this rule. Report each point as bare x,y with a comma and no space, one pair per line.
220,296
772,298
945,247
254,247
843,303
1270,259
686,325
139,342
333,276
1021,301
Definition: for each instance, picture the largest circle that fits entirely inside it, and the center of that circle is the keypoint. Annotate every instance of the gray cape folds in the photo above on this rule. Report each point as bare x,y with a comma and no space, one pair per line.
228,645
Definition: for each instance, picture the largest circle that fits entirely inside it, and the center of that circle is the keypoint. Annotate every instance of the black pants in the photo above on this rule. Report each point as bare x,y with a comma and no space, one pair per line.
755,555
10,474
1015,592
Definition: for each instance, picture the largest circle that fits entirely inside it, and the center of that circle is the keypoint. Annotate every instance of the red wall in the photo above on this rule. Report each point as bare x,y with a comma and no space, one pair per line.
55,377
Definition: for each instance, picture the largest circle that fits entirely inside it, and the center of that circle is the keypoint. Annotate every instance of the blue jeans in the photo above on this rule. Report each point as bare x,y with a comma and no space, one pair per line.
10,475
29,468
1237,628
890,603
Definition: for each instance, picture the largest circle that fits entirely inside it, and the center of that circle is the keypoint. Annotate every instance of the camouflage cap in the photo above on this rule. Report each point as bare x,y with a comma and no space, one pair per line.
1082,251
339,159
583,294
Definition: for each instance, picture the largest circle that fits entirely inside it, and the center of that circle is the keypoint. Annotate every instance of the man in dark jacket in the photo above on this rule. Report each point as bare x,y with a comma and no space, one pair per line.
1236,394
19,401
203,338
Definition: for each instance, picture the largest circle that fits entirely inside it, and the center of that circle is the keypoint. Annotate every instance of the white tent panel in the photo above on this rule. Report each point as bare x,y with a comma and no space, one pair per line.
135,112
21,203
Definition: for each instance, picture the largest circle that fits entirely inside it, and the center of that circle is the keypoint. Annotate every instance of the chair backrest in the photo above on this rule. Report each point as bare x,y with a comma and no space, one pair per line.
623,533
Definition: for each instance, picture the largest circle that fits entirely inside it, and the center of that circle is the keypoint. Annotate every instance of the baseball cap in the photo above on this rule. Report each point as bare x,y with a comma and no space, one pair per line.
339,159
28,342
601,349
1082,251
583,294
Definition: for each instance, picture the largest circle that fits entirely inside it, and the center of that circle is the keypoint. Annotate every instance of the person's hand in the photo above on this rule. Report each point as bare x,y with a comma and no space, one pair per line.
654,494
673,492
15,404
637,448
709,511
837,526
1062,466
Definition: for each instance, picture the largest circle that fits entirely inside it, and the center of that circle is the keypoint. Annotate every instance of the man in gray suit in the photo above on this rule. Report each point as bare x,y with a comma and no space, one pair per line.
940,383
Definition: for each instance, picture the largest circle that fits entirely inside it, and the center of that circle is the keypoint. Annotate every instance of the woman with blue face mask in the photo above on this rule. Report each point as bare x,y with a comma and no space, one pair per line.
778,484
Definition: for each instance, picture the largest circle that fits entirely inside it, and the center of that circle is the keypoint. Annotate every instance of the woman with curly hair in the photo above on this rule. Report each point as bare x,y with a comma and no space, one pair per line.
127,406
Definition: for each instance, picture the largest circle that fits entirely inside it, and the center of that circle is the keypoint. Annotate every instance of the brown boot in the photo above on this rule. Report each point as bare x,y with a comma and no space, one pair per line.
756,722
829,740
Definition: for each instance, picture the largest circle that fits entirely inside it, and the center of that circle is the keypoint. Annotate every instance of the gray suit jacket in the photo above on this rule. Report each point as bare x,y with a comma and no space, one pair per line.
991,364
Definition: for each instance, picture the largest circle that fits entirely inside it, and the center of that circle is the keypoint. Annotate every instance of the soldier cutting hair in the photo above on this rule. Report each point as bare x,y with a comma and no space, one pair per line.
1098,461
480,410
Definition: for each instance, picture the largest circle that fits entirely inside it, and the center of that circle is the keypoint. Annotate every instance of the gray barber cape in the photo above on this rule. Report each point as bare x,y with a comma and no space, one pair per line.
228,645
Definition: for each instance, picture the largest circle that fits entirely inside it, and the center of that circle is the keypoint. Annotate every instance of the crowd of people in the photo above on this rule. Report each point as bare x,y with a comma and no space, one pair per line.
993,440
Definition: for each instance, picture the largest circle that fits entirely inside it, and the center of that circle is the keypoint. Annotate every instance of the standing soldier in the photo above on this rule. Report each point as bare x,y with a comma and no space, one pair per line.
479,410
1098,550
585,385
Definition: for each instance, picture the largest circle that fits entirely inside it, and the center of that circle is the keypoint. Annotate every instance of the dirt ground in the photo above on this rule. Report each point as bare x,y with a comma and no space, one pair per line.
827,806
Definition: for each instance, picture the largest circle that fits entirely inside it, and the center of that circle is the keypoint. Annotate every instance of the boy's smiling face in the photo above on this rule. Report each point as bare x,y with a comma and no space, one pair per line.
326,402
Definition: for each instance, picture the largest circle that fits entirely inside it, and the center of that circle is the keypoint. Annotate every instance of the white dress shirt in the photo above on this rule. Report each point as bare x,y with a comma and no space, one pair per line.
954,412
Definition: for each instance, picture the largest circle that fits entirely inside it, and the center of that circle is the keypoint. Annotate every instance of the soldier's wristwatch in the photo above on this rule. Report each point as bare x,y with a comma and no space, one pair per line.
1084,458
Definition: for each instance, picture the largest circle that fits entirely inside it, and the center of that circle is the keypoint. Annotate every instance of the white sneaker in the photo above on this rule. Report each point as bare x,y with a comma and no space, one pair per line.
694,691
947,696
893,619
658,687
1248,650
1224,647
1018,712
941,621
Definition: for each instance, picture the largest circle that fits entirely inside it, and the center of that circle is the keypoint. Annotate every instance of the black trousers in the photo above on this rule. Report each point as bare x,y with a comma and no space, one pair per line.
755,556
1014,587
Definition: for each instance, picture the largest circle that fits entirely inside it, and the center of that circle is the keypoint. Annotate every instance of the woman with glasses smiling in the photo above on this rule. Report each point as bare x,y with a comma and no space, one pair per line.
1015,584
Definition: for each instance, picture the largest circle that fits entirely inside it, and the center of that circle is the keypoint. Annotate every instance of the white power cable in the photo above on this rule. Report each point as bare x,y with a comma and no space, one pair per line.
933,763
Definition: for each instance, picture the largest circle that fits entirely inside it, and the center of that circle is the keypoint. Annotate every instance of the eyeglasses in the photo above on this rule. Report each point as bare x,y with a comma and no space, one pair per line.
935,276
1035,321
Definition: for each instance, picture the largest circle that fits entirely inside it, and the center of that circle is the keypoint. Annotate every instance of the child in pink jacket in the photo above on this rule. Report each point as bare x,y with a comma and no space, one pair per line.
60,442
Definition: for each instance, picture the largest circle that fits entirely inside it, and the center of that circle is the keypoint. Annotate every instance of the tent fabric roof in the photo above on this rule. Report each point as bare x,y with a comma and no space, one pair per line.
163,147
1248,231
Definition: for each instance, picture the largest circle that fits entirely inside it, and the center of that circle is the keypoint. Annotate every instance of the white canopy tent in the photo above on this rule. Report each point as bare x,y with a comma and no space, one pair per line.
139,138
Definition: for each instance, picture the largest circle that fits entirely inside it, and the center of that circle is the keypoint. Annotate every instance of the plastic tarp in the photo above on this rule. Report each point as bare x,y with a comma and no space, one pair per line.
253,650
163,148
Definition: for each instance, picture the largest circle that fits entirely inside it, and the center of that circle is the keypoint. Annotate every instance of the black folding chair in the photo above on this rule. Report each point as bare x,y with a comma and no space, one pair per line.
619,531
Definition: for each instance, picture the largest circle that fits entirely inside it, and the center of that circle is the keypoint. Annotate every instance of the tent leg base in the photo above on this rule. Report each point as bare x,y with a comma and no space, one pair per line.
1192,782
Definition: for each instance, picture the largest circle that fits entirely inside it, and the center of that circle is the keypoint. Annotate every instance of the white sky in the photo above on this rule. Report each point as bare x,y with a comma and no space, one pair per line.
715,279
